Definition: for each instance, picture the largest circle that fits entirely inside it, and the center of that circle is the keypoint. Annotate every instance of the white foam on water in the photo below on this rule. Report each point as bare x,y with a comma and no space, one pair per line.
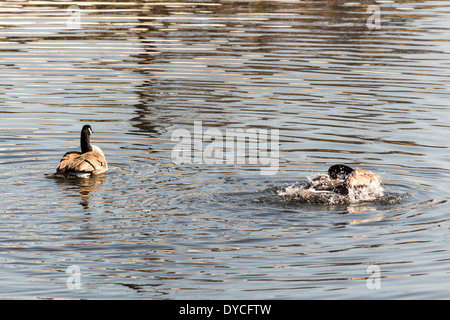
371,192
361,194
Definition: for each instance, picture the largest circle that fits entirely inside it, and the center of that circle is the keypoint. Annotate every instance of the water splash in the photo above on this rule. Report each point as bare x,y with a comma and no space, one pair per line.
303,193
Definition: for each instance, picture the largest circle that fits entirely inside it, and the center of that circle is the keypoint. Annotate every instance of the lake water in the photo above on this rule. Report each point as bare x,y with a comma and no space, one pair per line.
336,87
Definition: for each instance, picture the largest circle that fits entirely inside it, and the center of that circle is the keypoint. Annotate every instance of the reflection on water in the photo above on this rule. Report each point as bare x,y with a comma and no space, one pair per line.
337,91
87,187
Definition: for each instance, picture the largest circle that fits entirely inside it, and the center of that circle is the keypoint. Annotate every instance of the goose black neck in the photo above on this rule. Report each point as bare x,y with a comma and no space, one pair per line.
85,141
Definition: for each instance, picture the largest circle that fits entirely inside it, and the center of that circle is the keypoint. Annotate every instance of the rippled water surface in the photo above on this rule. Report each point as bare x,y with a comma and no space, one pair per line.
337,89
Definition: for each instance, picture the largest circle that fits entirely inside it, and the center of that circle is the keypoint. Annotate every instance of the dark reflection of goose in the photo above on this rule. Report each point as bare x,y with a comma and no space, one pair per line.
86,186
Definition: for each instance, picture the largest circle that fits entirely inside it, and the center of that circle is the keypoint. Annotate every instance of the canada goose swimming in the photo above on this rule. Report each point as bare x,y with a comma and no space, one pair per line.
341,180
90,160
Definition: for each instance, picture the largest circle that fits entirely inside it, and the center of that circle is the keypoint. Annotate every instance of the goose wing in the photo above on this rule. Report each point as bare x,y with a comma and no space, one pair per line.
89,162
66,161
361,177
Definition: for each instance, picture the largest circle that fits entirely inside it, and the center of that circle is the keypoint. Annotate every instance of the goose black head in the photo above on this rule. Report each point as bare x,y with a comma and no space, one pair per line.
339,171
87,129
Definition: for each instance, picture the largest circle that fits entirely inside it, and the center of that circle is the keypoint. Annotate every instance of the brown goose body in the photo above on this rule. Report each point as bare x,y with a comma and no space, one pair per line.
341,180
91,159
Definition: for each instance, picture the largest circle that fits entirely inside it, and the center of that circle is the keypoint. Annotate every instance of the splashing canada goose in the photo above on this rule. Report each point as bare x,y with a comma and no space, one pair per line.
342,183
90,160
341,178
